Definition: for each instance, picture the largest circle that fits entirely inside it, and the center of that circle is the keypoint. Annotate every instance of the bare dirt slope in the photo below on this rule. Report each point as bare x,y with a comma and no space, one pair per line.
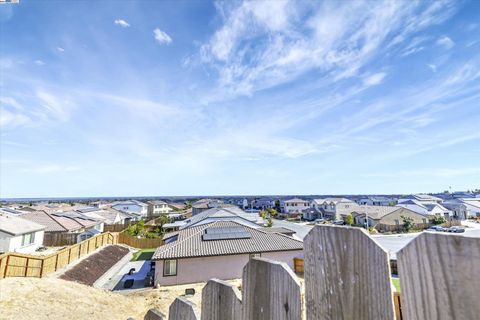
49,298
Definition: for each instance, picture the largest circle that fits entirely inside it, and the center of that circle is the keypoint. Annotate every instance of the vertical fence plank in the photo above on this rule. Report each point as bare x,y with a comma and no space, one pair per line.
439,275
221,301
182,309
347,275
271,291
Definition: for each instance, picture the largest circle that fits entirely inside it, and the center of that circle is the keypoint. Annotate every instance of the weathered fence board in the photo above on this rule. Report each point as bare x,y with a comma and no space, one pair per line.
347,275
221,301
182,309
439,275
271,291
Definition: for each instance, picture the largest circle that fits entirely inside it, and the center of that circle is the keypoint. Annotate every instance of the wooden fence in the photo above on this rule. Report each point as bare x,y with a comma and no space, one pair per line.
14,264
140,243
347,276
58,239
115,227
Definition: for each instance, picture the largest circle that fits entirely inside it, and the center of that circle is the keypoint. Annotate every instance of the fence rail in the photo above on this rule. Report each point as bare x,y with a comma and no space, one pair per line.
347,276
14,264
140,243
57,239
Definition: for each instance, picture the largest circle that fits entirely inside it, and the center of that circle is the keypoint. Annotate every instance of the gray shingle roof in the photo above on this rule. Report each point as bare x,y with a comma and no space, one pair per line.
190,243
16,226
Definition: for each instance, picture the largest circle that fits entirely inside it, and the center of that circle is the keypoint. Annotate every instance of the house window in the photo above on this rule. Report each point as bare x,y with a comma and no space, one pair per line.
28,238
169,268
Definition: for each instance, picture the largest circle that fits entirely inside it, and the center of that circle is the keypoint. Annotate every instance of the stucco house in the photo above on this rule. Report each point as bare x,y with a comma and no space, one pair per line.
79,225
218,250
425,208
388,218
19,235
295,205
158,207
135,207
334,208
224,214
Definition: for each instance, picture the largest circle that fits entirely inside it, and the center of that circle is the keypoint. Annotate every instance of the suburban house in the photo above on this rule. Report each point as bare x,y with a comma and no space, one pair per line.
177,206
295,205
463,208
139,209
218,250
235,214
205,204
19,235
78,226
388,218
334,208
377,201
422,198
108,215
262,203
158,207
425,208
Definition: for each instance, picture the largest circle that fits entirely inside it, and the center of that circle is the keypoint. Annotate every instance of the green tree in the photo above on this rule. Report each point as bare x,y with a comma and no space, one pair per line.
439,220
269,222
277,205
408,223
349,219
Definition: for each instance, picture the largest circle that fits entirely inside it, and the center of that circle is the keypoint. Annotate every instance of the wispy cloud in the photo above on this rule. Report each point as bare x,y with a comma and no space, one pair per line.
257,48
51,168
161,36
122,23
445,42
60,49
39,62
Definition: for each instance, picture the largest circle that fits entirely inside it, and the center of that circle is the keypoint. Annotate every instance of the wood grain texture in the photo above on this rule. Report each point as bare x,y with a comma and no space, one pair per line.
271,291
347,275
221,301
182,309
440,277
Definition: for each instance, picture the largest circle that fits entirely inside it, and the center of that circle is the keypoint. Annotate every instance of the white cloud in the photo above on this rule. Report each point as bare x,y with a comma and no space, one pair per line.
258,47
374,79
52,107
432,67
60,49
39,62
161,36
122,23
445,42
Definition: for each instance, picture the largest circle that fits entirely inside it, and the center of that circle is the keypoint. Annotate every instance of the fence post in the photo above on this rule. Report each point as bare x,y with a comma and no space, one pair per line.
347,275
26,267
439,277
271,291
221,301
182,309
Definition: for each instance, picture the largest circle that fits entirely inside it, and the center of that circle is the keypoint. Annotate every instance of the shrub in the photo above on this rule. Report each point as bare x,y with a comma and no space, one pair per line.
439,220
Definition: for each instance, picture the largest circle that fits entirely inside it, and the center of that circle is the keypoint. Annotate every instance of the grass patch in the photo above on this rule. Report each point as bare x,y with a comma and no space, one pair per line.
396,283
144,254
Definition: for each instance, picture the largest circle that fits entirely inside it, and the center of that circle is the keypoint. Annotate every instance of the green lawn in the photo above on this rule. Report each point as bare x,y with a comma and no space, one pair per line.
144,254
396,283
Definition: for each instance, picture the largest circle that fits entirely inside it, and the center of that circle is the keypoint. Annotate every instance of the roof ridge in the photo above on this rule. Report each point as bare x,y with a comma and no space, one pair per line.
177,243
54,219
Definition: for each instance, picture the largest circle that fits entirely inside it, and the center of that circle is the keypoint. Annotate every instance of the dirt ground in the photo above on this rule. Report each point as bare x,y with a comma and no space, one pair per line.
49,298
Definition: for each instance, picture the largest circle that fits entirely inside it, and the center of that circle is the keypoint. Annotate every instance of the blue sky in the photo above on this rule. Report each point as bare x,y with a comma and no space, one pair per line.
186,98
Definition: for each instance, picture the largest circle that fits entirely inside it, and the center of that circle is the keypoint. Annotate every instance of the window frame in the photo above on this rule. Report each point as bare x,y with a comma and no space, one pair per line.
165,267
32,239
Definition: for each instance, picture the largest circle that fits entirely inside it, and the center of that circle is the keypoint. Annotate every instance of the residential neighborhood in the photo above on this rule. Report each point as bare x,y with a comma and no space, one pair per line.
239,160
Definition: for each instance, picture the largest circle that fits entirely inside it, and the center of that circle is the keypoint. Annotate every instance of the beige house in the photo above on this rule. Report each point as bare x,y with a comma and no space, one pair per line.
219,250
388,218
157,208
